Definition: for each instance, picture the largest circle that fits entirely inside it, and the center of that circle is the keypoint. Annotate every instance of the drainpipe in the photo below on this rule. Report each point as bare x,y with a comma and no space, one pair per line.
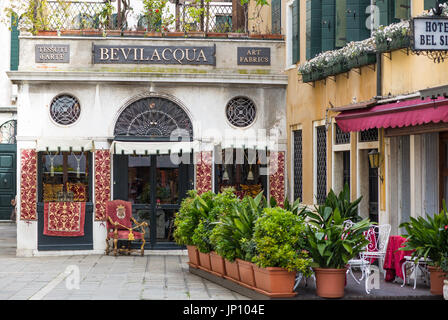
379,74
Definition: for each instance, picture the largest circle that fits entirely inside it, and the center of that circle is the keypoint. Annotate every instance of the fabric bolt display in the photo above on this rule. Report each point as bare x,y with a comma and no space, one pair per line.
28,185
79,191
51,191
102,183
204,172
277,176
64,219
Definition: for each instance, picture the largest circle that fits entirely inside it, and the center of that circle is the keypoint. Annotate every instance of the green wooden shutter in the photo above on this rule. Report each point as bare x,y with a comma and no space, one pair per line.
14,60
328,25
276,12
341,23
402,9
356,20
387,12
429,4
296,31
313,28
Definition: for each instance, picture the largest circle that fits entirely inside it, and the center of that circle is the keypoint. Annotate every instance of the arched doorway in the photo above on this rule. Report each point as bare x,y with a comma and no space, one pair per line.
8,152
152,181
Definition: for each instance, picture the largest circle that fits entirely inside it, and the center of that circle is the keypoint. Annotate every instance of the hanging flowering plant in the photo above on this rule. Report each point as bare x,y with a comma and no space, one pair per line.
396,32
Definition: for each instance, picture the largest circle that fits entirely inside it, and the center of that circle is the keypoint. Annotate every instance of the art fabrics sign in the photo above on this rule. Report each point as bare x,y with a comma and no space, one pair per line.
180,55
430,33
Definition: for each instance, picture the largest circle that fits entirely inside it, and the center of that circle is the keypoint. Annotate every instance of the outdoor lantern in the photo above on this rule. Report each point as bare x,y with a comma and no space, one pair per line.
374,159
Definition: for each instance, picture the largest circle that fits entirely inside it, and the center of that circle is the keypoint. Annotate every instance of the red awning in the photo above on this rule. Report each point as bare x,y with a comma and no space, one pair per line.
395,115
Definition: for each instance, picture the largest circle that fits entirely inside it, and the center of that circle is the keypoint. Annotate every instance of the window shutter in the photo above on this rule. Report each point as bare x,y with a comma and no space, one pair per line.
328,24
387,11
276,11
356,20
296,31
402,9
341,23
313,28
14,60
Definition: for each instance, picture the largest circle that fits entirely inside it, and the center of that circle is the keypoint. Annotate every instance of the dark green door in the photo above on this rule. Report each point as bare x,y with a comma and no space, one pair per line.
7,179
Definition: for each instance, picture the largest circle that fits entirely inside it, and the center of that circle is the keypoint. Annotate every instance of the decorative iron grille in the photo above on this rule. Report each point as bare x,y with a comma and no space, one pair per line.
74,15
298,164
341,137
65,109
8,132
321,164
217,17
368,135
154,117
241,112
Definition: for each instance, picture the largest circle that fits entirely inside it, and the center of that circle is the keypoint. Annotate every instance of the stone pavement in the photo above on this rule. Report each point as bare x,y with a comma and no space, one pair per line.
161,277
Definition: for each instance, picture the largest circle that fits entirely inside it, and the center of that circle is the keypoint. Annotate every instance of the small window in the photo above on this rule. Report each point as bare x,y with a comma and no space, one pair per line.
241,112
65,109
65,176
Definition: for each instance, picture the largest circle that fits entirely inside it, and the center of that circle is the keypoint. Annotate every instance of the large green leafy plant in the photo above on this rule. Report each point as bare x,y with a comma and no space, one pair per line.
232,234
279,241
333,243
429,238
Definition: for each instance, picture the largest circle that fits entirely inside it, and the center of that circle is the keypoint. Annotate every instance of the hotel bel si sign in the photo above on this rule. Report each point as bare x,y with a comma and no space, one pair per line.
430,33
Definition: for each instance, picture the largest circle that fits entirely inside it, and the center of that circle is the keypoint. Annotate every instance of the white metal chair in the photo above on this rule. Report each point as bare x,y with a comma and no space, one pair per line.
299,278
378,235
412,266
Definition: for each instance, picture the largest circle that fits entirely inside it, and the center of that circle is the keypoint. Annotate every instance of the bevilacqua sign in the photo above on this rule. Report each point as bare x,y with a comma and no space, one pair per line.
181,55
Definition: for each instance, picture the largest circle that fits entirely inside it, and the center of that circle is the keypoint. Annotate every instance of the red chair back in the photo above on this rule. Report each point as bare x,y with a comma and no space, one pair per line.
119,211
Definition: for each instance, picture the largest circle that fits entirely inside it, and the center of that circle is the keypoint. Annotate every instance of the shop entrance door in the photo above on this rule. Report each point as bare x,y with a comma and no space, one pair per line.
7,179
155,186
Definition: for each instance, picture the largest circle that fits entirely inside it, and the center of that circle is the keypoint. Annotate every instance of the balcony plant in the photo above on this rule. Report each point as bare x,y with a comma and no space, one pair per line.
156,18
279,251
331,245
429,240
392,37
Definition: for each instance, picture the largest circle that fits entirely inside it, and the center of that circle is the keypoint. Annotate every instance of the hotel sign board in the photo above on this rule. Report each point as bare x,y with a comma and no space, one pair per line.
52,53
180,55
430,34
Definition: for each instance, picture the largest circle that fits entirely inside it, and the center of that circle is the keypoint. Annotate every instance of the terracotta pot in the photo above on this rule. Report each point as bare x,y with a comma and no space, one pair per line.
113,32
216,35
232,270
273,36
204,260
246,270
193,256
436,277
92,32
153,34
237,35
71,32
217,263
275,280
175,34
135,33
47,33
330,283
255,36
196,34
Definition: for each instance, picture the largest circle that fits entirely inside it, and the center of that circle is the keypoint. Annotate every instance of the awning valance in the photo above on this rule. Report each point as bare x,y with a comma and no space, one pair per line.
148,148
395,115
64,144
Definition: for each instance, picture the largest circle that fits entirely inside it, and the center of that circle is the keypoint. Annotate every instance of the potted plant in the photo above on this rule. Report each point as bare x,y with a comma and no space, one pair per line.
429,240
279,251
331,245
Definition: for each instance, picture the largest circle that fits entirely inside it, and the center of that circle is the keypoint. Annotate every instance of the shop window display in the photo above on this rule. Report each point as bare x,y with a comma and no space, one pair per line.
243,170
65,176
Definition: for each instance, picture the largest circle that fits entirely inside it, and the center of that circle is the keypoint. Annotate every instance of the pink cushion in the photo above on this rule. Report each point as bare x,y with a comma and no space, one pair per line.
123,235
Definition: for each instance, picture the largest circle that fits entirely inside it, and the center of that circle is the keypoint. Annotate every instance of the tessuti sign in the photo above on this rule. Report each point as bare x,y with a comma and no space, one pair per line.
180,55
430,33
52,53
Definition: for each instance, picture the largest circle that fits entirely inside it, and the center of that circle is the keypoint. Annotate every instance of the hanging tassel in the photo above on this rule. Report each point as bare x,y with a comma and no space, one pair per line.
51,170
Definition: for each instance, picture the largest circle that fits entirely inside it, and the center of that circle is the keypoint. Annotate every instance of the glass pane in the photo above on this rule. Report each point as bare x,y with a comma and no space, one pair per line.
143,215
138,179
165,224
65,177
167,190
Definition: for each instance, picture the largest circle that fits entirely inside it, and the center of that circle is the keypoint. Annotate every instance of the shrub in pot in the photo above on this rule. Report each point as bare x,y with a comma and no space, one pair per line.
279,251
331,246
429,240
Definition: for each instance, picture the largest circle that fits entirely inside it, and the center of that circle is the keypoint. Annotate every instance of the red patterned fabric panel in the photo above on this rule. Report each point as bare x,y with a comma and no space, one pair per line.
102,183
28,183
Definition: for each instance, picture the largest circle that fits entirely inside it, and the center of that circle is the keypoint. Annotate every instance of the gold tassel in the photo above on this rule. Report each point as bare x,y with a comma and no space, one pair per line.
131,235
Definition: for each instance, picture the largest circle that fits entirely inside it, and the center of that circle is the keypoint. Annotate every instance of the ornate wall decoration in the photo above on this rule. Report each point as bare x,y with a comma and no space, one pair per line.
65,109
64,219
204,172
241,112
28,184
102,183
277,176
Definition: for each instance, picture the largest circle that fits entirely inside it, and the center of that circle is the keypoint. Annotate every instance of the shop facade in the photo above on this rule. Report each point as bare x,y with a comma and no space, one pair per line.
143,120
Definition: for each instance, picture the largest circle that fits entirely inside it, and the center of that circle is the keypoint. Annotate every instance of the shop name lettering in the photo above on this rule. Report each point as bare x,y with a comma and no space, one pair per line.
52,53
254,56
155,55
430,34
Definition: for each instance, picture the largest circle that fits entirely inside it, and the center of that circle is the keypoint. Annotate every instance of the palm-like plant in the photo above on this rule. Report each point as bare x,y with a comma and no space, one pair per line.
429,238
